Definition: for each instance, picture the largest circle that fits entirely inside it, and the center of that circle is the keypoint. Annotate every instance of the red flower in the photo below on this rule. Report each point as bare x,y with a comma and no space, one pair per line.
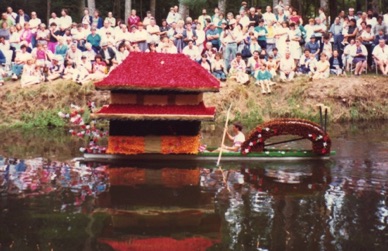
259,130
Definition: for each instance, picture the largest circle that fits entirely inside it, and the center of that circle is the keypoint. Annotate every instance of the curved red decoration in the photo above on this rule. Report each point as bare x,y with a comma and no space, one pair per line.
321,141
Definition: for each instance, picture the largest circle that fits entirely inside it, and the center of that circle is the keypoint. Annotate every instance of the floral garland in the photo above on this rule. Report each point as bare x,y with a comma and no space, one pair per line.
159,70
83,130
180,144
321,141
125,145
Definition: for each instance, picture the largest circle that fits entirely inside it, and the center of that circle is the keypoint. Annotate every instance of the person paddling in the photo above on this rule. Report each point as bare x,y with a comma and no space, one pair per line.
237,139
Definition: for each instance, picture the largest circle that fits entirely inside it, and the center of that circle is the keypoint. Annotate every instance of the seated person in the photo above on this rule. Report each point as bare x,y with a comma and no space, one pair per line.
347,57
380,55
31,73
322,68
263,79
218,68
238,68
20,61
238,139
336,65
287,68
304,60
56,69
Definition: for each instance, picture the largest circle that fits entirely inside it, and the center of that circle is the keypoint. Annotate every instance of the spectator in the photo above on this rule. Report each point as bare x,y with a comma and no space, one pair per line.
107,54
6,19
261,32
53,19
31,73
4,31
380,55
268,16
56,69
380,25
69,71
61,48
367,38
205,63
34,25
359,54
20,60
83,70
87,19
294,17
26,35
99,70
89,53
347,57
73,55
65,21
154,31
110,19
11,15
14,39
121,54
380,35
313,46
141,37
336,33
352,31
42,34
213,36
326,46
97,20
203,17
336,64
192,51
287,67
22,18
254,63
133,19
238,69
322,68
304,62
218,67
281,17
3,74
147,19
263,78
319,30
94,39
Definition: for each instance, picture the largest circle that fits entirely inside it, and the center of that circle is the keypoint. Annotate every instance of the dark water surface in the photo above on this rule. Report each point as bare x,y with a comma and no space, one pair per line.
52,204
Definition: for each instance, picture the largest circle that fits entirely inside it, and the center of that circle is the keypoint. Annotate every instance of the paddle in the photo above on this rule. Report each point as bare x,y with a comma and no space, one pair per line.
223,136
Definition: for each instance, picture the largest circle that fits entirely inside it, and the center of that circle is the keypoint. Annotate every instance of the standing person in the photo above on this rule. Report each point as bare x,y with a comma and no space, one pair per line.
34,25
22,18
53,19
65,21
110,19
229,40
319,29
213,36
12,15
178,35
352,31
336,64
336,33
203,17
87,19
262,33
147,19
268,16
133,19
97,20
253,17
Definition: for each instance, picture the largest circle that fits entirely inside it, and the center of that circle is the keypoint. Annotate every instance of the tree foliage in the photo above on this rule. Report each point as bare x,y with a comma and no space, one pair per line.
307,8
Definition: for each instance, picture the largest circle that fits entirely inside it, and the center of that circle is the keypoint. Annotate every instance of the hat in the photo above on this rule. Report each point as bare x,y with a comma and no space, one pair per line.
359,12
312,36
211,24
83,56
104,44
224,22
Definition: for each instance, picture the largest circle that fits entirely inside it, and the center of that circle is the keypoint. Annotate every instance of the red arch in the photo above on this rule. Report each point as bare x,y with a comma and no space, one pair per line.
321,141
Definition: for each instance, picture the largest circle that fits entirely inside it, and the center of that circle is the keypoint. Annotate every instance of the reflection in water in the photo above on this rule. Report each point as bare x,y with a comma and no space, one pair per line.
307,205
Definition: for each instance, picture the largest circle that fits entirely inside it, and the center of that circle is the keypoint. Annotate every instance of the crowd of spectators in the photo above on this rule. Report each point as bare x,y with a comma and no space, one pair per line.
269,45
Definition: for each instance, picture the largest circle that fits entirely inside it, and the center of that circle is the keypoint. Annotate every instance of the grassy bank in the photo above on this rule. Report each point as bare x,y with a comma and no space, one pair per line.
349,99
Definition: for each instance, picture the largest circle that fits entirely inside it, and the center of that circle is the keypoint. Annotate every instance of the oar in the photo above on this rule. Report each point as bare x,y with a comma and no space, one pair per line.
223,136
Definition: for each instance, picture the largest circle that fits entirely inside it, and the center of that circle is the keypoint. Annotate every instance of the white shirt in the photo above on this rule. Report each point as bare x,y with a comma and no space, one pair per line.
244,21
287,64
238,139
269,16
65,22
381,53
53,20
192,53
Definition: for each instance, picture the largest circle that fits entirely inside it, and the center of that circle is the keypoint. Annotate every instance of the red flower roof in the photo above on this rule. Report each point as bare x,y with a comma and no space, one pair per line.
159,71
156,112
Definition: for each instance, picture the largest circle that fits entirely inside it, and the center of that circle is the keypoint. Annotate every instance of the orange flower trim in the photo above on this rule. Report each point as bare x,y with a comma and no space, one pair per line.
125,145
180,144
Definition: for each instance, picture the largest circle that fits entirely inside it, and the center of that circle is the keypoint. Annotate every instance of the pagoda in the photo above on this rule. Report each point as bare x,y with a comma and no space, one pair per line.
156,104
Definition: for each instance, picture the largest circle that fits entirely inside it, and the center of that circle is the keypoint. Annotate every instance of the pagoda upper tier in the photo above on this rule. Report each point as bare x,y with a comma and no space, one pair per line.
159,72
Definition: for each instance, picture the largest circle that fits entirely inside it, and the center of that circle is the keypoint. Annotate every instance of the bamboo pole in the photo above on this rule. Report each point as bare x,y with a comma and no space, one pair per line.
223,136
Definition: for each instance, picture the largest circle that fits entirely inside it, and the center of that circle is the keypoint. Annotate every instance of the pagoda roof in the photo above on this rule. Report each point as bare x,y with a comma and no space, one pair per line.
159,71
156,112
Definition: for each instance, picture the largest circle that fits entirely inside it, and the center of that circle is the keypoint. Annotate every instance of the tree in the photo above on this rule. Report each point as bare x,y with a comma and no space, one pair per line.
82,7
153,7
324,4
222,6
128,6
48,9
91,6
183,9
116,8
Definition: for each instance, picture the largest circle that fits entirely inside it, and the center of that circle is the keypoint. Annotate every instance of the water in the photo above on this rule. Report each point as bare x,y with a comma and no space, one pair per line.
53,204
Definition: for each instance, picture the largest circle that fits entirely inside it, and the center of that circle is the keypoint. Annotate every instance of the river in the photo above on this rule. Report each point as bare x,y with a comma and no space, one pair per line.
48,202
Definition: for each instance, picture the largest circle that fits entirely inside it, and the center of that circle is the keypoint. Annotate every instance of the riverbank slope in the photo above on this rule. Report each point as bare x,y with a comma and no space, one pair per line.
348,98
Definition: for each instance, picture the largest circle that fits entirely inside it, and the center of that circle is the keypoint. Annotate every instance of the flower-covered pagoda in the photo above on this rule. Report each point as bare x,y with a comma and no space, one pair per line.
156,104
